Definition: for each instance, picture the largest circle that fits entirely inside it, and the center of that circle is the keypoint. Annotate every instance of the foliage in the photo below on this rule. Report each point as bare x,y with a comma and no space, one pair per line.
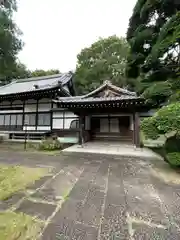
174,159
10,42
166,120
172,144
50,145
19,226
15,178
41,72
175,97
158,92
103,60
154,38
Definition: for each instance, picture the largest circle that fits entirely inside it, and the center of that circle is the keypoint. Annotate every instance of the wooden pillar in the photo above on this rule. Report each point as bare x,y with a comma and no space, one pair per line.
136,135
80,130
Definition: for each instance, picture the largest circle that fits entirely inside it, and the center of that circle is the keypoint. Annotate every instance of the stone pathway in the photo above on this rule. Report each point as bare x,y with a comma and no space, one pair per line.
91,196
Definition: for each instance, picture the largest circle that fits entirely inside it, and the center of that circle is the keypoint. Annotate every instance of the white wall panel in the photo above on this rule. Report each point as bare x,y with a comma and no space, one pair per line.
43,128
70,114
29,128
57,123
17,102
30,108
44,107
46,100
57,114
67,122
11,111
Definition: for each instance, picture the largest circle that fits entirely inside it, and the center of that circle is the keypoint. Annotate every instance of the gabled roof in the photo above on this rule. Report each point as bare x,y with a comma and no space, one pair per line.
108,86
105,96
36,84
106,92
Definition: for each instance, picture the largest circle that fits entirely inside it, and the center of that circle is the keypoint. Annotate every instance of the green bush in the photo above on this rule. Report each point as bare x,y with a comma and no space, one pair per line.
174,159
165,121
172,144
50,145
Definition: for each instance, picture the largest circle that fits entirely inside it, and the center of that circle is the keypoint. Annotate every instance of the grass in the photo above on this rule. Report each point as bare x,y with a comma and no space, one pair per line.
19,226
15,178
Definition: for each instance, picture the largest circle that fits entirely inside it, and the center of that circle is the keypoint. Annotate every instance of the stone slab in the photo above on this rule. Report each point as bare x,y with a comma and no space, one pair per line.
40,210
68,230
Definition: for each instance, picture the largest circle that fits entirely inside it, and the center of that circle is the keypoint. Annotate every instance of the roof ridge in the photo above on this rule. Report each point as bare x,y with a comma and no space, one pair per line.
40,77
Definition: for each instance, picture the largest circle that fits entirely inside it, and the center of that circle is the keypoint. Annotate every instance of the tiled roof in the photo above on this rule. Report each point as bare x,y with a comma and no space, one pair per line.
35,84
108,84
78,99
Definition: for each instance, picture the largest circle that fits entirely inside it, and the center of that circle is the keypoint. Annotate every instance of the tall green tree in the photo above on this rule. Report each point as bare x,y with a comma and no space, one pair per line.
10,42
41,72
154,38
103,60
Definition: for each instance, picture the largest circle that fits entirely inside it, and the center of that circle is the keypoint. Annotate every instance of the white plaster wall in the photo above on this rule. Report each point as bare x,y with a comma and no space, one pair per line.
30,107
67,123
5,103
57,114
44,100
11,111
43,128
57,123
17,102
70,114
29,128
44,107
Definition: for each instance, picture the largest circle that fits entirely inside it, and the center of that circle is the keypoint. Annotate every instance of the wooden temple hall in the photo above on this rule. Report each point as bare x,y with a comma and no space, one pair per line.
45,106
107,113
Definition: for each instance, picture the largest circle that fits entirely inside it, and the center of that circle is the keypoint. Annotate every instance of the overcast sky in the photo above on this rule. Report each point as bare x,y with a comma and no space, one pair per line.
55,31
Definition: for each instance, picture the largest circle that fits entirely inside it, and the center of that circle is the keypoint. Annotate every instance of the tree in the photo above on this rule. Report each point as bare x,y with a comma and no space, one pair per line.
103,60
10,43
154,38
41,72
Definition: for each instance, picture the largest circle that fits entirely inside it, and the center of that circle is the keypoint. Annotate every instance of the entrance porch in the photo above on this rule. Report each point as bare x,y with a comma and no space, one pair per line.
108,113
111,148
122,128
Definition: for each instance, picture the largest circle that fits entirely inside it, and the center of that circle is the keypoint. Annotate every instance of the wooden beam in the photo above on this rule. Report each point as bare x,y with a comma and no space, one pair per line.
136,129
80,130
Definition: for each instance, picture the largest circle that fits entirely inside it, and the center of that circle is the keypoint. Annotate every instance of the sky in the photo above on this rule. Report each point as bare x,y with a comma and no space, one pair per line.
55,31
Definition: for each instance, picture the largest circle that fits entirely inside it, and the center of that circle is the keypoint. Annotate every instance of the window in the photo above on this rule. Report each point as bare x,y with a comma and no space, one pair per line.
1,120
114,125
30,119
7,120
13,120
19,120
44,119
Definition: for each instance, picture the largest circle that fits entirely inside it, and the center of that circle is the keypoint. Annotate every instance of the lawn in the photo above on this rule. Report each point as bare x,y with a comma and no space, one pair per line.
15,178
17,226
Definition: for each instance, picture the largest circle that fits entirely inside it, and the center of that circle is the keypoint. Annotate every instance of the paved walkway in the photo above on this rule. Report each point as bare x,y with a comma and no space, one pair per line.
111,148
91,196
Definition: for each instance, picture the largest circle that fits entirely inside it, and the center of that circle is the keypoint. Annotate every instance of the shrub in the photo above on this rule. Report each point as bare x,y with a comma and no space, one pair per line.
172,144
166,120
174,159
50,145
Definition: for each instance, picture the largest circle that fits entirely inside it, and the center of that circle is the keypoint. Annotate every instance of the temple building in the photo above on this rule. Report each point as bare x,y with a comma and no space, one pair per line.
48,105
